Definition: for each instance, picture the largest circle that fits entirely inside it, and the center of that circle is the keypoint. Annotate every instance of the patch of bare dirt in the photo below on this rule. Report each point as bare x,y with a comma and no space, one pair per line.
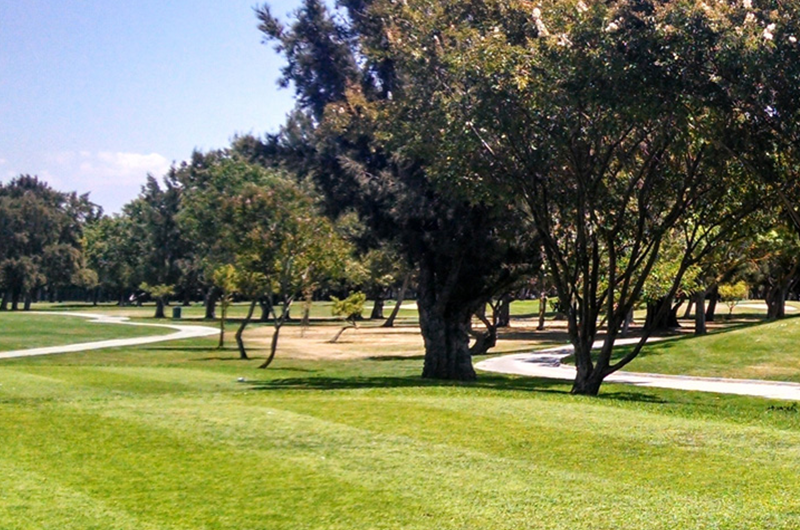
361,343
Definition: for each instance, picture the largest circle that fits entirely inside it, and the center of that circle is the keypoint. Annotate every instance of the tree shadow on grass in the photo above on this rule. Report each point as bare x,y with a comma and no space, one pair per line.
527,384
175,348
632,397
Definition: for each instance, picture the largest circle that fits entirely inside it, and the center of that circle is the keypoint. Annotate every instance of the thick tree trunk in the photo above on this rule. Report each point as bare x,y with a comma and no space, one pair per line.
212,295
446,337
587,384
240,331
159,308
700,313
27,303
377,309
4,302
15,300
445,331
588,378
400,297
776,302
657,320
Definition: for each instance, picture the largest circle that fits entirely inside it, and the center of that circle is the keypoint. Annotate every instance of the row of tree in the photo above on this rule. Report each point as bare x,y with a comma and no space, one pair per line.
638,151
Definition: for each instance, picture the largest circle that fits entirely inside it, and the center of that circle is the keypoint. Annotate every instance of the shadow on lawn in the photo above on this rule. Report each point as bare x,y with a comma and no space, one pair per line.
361,382
485,382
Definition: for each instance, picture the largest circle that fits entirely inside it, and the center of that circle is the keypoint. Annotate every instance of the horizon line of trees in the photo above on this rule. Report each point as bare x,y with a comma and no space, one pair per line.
621,154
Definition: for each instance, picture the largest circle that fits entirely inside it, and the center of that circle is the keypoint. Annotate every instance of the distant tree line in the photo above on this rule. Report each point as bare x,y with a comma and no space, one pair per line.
610,155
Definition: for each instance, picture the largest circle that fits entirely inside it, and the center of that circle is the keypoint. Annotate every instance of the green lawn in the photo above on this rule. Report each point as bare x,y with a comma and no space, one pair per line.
21,330
760,351
165,437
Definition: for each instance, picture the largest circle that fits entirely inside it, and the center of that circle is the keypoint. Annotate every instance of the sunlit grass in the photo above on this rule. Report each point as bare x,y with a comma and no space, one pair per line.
167,436
20,330
761,351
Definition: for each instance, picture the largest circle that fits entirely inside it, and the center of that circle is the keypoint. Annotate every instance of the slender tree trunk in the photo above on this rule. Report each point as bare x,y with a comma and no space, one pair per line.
542,309
339,333
504,311
212,295
486,340
273,345
306,320
245,322
690,306
159,308
278,323
266,309
626,324
221,343
713,298
377,309
700,313
400,297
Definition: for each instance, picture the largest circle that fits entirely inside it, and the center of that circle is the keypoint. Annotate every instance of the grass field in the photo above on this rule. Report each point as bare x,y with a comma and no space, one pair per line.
166,436
759,351
20,330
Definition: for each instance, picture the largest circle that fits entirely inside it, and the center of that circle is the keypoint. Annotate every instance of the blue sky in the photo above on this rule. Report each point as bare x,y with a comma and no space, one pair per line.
96,94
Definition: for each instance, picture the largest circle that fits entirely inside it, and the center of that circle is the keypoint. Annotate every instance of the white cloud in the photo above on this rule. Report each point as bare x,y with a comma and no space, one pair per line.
128,165
3,161
113,178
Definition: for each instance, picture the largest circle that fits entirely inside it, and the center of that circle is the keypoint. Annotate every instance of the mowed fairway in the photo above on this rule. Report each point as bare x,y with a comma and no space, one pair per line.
762,351
166,437
21,330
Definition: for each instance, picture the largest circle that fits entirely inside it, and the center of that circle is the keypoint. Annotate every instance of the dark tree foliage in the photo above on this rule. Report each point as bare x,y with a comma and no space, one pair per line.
466,252
40,238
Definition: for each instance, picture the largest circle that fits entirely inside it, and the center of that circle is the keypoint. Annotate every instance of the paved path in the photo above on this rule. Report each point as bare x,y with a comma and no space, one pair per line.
183,332
547,364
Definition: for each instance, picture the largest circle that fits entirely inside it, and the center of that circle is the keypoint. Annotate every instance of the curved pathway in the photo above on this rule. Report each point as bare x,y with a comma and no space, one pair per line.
183,332
547,364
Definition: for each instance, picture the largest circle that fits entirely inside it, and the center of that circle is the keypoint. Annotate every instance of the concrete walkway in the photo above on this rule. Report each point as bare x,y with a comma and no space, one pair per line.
183,332
547,364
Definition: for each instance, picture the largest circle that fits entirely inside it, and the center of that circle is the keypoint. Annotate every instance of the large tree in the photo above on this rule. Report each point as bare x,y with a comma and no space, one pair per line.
603,121
466,250
40,237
